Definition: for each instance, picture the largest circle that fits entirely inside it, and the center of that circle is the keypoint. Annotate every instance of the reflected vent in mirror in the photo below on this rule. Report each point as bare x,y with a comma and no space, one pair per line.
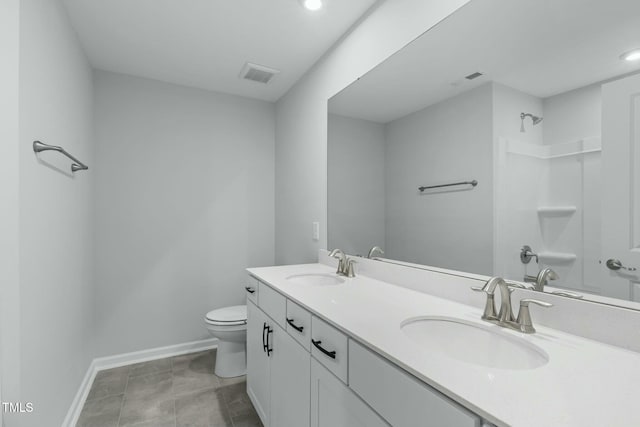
257,73
474,75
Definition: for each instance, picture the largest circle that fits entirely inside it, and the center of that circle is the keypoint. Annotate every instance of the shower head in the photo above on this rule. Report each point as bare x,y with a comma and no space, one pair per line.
535,119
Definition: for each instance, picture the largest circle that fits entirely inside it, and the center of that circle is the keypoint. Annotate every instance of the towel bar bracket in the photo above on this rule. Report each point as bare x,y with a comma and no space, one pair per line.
77,165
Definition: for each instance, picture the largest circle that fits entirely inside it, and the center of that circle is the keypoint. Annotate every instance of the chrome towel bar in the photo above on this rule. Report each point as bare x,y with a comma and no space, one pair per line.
471,183
77,165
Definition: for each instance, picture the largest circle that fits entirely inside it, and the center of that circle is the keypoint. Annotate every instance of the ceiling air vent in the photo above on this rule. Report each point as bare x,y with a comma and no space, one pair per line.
257,73
473,76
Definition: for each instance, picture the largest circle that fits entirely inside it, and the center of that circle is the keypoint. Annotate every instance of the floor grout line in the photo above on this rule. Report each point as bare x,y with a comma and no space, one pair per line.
124,396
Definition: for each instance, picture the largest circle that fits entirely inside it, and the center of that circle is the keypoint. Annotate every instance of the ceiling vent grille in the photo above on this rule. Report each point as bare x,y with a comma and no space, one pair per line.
257,73
474,75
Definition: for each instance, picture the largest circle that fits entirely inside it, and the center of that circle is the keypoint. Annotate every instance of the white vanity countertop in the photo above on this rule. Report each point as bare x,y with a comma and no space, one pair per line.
585,383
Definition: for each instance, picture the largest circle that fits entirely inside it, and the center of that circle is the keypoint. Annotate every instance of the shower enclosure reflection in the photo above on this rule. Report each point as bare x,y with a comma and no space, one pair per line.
528,127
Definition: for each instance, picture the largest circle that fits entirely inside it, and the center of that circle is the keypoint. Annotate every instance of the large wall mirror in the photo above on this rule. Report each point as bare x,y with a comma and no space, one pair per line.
510,124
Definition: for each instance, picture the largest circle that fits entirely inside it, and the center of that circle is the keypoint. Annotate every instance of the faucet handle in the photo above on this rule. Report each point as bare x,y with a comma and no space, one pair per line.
349,268
526,301
489,305
524,315
567,294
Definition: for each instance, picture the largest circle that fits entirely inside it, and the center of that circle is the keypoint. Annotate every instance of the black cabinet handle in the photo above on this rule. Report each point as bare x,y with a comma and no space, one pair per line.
269,349
264,339
331,354
297,328
250,290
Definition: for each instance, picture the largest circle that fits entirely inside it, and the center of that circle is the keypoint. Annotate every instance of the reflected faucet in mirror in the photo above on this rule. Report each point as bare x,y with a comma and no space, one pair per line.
374,251
542,279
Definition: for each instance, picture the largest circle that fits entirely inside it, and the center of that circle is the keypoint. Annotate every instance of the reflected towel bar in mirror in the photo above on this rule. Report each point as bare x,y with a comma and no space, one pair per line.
471,183
77,165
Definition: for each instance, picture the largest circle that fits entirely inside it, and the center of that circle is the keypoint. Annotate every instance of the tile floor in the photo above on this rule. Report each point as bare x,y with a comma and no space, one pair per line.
173,392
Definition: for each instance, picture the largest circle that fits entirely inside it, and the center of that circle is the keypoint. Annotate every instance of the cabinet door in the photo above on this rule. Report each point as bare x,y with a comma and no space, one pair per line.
290,381
334,405
399,397
258,369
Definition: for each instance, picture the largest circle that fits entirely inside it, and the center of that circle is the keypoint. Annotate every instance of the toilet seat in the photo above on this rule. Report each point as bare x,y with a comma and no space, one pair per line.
228,316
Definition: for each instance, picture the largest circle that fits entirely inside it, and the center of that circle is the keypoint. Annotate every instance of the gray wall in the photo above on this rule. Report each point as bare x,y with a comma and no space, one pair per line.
184,203
356,198
573,115
447,142
10,202
56,244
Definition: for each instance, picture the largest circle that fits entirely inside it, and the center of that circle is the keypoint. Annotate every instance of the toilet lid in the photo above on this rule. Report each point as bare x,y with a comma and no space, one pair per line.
235,315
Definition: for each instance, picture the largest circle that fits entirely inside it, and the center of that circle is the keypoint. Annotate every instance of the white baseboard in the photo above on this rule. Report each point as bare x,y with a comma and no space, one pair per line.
115,361
125,359
78,401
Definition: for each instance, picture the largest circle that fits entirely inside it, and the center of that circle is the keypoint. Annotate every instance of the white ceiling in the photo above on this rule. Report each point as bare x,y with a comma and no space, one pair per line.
205,43
542,47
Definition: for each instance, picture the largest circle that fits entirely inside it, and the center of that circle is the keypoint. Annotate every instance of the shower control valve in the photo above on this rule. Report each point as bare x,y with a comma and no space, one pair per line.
526,254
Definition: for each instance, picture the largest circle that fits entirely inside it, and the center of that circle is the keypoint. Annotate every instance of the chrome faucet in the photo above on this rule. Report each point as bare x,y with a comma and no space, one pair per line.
505,300
505,317
374,250
542,279
345,265
339,255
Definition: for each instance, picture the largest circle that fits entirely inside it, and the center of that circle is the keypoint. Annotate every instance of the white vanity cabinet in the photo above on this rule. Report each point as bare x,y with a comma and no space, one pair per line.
302,371
401,398
333,404
278,371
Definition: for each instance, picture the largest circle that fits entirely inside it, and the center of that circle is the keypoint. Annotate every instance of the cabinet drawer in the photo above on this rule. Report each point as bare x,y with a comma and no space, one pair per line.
399,397
251,288
272,303
299,324
330,347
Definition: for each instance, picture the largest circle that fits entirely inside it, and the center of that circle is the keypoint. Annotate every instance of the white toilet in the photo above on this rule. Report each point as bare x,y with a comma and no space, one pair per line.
229,325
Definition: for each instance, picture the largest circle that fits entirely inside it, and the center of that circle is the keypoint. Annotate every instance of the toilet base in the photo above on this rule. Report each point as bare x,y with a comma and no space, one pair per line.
231,359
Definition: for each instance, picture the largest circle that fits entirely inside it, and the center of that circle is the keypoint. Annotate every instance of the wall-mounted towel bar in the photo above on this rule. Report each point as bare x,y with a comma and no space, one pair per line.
471,183
77,165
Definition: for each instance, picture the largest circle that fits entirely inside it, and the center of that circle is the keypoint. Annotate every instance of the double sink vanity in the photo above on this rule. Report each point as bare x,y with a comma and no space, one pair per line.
378,350
514,156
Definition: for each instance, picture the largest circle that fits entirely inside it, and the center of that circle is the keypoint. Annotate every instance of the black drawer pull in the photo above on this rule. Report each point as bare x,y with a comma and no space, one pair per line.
264,338
269,347
331,354
297,328
250,290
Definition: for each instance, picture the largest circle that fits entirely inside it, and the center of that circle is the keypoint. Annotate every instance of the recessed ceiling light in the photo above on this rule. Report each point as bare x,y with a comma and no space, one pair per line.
632,55
312,4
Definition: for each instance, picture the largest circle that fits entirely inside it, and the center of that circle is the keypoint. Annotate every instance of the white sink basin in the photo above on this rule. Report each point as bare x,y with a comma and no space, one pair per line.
318,279
474,343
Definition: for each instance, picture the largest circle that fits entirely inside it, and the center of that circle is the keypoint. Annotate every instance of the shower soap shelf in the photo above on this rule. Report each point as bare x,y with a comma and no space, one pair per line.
557,257
556,210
